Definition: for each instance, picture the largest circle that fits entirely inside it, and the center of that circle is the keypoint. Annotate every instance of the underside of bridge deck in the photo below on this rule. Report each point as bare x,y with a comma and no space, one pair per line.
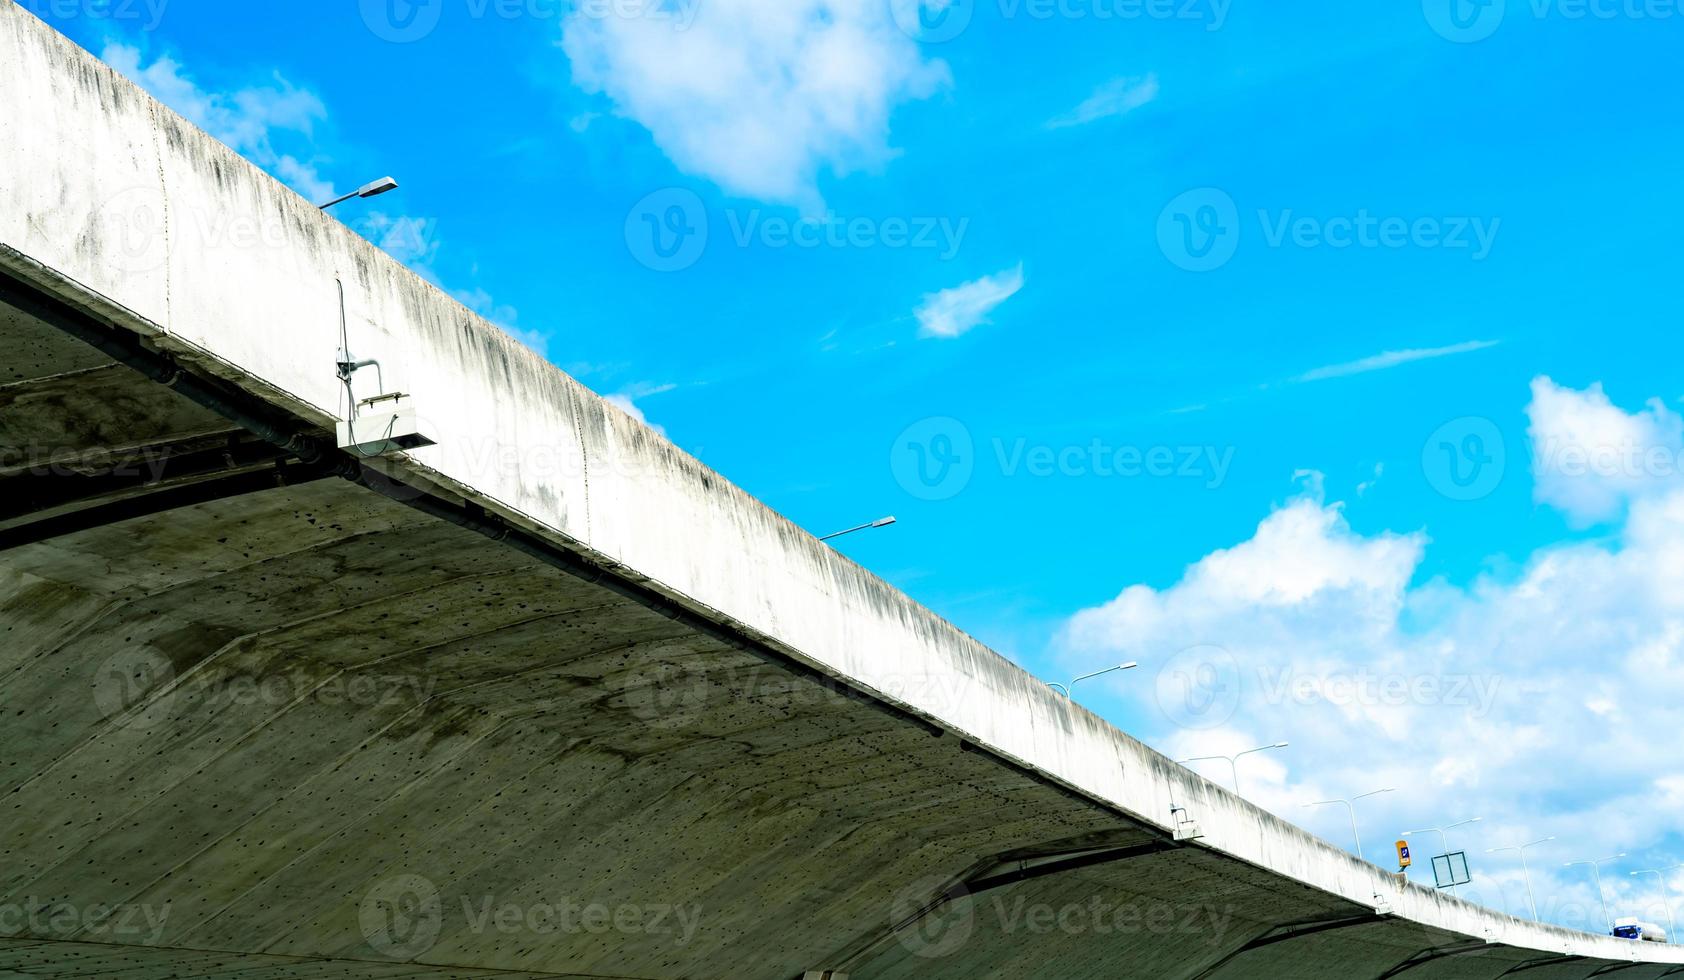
260,716
267,714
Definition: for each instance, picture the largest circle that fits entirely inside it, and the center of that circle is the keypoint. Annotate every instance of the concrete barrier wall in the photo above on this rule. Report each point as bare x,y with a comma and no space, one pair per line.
226,267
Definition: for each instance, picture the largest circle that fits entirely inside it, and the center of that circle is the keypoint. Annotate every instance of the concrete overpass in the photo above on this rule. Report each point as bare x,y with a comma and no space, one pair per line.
547,699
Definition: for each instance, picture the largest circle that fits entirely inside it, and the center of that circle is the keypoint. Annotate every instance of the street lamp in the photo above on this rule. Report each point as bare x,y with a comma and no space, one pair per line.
1524,870
373,189
1443,839
1065,688
1596,870
1353,812
1232,760
880,522
1666,899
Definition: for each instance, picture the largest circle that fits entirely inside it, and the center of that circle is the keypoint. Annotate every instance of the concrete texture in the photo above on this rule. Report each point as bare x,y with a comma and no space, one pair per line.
271,716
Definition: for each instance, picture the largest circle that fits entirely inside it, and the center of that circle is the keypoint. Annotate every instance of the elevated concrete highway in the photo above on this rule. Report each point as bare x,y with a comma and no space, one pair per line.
547,699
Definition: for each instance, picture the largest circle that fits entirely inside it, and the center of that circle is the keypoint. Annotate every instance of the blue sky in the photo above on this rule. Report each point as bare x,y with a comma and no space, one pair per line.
1322,256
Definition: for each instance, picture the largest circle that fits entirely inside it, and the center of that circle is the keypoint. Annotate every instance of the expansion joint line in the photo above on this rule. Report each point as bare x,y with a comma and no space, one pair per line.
984,877
1434,955
1287,933
1540,961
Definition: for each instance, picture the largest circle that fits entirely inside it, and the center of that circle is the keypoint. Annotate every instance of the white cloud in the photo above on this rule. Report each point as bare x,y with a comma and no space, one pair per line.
1591,459
1369,484
1544,699
953,312
1118,97
647,389
250,120
758,95
1391,359
624,403
504,317
412,241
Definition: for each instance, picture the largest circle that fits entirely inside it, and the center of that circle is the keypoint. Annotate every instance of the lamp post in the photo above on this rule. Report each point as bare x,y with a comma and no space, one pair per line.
1233,760
880,522
1596,871
371,189
1444,839
1065,688
1524,870
1353,811
1666,899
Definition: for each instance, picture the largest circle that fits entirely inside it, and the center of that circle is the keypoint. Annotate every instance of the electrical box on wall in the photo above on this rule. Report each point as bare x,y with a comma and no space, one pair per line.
384,424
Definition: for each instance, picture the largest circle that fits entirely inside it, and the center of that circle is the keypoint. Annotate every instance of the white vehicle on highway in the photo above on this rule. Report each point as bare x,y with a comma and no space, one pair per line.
1632,928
